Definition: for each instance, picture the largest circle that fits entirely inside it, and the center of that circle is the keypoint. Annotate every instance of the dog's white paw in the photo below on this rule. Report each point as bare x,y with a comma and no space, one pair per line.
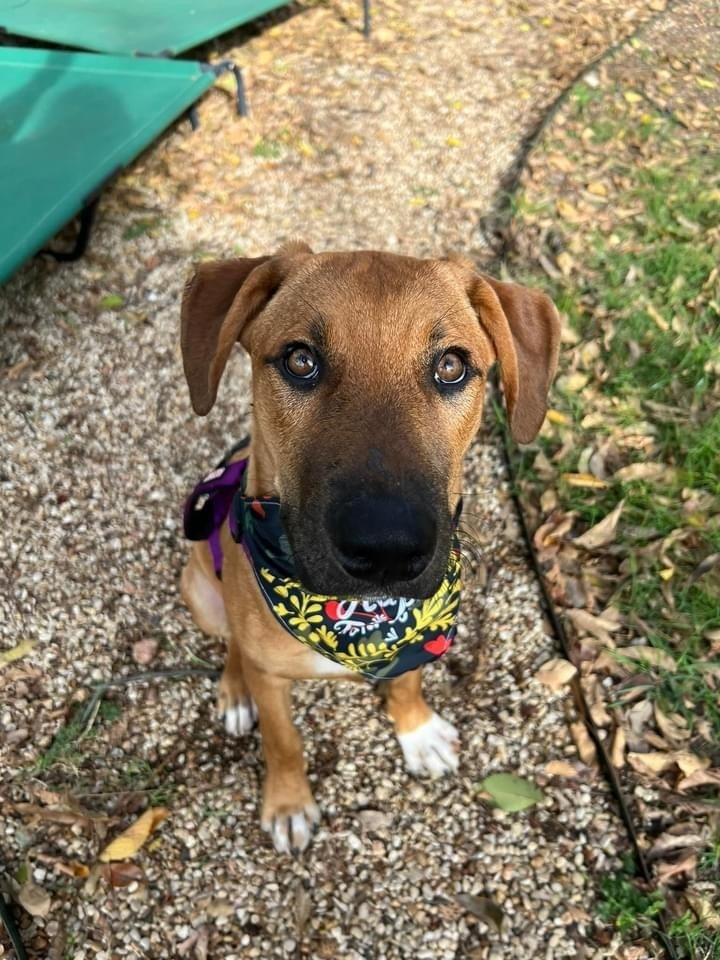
240,717
292,832
432,749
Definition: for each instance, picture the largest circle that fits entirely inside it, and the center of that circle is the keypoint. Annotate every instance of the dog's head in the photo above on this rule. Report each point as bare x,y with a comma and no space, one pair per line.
369,374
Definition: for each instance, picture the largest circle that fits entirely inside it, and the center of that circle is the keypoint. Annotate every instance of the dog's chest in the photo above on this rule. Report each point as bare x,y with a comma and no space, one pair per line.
280,653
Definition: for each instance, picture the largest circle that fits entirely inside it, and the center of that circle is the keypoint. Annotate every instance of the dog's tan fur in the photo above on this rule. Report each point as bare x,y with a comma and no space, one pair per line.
379,313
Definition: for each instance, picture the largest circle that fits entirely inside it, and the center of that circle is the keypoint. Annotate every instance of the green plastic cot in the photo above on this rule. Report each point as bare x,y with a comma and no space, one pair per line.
68,123
135,27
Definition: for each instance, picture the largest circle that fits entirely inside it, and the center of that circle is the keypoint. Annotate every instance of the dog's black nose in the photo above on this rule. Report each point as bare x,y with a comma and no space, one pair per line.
382,539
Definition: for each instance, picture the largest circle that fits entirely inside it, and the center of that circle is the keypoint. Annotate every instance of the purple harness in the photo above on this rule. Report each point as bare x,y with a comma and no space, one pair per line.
209,504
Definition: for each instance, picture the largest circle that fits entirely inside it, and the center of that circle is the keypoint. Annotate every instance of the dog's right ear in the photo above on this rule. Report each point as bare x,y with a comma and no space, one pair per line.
219,301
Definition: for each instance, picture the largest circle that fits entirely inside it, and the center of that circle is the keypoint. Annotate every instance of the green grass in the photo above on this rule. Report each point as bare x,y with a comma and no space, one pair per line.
633,910
646,291
669,251
692,940
625,906
141,227
268,149
71,747
67,745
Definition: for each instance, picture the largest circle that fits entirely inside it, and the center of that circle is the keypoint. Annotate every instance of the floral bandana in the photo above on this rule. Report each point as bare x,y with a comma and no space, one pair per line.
379,638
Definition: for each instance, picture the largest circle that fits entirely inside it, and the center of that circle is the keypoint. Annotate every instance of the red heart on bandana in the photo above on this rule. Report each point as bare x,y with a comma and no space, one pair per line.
438,645
331,609
258,508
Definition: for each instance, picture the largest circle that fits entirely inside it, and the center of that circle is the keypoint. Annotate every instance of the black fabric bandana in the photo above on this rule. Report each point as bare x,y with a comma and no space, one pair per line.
380,638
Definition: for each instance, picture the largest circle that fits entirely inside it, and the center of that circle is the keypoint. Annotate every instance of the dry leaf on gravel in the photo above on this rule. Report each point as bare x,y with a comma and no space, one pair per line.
585,746
34,899
121,874
302,908
483,908
58,814
560,768
132,839
197,942
617,751
73,869
602,533
556,673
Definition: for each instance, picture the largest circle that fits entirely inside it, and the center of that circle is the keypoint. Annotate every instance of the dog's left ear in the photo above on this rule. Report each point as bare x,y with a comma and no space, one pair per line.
524,327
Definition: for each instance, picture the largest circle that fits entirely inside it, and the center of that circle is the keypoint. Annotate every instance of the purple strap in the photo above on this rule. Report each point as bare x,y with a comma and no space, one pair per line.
209,504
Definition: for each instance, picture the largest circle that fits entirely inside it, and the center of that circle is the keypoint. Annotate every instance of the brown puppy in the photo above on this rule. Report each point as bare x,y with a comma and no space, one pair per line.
368,382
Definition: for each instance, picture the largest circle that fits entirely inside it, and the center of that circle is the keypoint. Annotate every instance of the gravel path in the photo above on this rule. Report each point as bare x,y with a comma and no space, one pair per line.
398,144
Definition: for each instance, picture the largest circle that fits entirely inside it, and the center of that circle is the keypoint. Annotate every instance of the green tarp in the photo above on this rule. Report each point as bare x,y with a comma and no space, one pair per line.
129,26
68,122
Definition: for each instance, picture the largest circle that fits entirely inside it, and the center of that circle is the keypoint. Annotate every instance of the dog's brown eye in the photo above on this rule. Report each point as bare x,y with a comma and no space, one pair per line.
301,363
450,369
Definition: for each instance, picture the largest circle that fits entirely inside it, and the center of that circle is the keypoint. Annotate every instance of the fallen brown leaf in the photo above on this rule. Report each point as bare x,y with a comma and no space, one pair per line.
690,763
556,673
700,778
197,942
121,874
617,751
483,908
644,654
54,814
302,909
600,627
560,768
602,533
666,871
654,762
672,840
34,899
672,726
641,471
585,746
704,910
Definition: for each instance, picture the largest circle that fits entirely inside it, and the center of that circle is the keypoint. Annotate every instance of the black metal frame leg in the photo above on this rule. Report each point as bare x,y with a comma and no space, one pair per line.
86,218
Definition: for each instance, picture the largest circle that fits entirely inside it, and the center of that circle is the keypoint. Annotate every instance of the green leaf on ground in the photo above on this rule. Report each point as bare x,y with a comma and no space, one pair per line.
510,792
111,301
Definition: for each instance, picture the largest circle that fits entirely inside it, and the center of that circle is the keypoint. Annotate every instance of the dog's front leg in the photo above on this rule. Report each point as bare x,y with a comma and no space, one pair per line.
429,744
289,812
